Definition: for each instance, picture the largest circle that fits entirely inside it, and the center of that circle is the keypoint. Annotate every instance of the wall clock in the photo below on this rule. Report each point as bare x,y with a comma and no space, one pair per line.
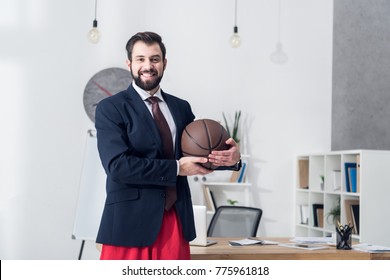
103,84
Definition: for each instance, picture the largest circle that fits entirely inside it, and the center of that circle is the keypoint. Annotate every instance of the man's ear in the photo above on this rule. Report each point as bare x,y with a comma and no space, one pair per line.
128,63
165,63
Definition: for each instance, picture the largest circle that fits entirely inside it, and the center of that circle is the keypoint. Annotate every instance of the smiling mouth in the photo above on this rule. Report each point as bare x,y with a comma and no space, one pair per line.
149,74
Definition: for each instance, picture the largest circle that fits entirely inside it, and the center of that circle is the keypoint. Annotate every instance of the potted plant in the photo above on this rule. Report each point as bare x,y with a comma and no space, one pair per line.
232,202
233,133
334,213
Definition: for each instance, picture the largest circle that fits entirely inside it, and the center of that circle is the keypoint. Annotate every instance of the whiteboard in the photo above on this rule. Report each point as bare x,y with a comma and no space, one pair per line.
92,193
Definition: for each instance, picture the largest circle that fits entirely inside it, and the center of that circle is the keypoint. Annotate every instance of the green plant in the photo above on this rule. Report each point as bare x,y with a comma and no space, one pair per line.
234,132
232,202
334,213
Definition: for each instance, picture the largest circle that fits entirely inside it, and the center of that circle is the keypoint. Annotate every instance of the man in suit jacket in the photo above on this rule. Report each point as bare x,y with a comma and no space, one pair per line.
135,223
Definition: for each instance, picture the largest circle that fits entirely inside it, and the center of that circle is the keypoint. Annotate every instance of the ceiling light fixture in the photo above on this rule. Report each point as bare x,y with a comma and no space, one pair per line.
94,34
279,56
235,40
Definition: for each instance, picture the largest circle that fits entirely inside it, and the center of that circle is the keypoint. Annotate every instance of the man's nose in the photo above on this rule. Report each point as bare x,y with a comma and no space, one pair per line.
148,64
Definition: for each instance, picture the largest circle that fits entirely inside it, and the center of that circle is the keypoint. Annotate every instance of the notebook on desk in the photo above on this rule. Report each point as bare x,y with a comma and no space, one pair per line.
200,217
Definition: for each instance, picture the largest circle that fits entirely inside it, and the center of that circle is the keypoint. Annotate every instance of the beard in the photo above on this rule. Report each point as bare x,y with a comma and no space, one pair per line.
147,85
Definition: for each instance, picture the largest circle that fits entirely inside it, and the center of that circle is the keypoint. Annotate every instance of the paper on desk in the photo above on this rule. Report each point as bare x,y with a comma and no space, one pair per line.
304,246
371,248
250,241
313,240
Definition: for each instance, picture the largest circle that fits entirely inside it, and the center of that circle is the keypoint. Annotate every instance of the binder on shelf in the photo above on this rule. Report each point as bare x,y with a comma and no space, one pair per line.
320,217
348,203
303,169
358,173
336,174
213,200
210,204
241,178
304,214
352,178
316,214
234,177
355,217
348,165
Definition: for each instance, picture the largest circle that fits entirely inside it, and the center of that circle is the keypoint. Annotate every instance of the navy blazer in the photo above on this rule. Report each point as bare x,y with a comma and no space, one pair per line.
131,152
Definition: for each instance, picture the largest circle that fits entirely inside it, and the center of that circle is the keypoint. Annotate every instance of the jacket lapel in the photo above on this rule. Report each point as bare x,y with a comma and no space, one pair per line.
178,119
144,116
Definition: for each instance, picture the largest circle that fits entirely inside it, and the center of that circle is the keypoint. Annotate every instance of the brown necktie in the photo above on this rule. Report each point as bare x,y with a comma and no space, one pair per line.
166,138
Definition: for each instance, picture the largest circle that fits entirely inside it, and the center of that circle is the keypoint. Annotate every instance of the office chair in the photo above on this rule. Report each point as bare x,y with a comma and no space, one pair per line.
235,221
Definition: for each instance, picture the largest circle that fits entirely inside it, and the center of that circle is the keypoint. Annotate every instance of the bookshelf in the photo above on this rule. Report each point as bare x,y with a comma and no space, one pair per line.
218,186
363,199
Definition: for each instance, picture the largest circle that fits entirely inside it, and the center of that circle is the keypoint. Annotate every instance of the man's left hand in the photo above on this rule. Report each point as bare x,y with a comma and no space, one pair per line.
227,157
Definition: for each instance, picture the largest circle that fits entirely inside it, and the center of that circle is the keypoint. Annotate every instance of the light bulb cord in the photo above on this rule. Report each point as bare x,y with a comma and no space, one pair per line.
235,13
95,10
279,19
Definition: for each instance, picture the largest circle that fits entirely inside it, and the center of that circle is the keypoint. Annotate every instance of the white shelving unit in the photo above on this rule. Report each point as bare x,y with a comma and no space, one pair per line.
219,184
372,194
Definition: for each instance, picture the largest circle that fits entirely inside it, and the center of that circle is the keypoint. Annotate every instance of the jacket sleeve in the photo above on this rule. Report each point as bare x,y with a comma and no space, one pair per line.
128,149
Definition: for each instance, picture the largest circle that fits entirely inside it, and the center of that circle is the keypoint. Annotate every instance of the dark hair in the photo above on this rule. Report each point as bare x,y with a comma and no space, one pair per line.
148,38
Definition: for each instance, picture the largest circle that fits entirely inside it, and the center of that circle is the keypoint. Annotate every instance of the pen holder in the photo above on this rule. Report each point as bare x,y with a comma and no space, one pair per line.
344,238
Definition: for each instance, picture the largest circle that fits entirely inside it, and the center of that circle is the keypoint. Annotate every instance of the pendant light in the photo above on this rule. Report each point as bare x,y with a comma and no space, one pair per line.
94,34
235,40
279,56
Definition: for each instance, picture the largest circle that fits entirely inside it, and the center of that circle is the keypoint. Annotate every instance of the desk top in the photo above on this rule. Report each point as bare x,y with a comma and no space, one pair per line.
223,251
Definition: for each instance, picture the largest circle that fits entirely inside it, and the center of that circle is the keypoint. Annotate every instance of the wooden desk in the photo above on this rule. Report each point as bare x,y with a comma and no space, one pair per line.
223,251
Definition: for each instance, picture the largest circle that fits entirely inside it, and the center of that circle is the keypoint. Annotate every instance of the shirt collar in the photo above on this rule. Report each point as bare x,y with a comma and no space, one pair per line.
144,94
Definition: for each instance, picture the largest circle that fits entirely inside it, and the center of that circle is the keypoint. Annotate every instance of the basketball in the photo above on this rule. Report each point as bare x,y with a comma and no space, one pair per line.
201,137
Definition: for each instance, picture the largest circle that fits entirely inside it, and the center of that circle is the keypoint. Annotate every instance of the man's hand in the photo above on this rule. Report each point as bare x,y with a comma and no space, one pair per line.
227,157
191,166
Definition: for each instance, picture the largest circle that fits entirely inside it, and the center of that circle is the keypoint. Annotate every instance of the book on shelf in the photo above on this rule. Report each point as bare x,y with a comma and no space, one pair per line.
303,176
234,177
209,199
358,173
355,217
348,203
318,215
304,214
239,176
347,166
213,199
336,174
352,178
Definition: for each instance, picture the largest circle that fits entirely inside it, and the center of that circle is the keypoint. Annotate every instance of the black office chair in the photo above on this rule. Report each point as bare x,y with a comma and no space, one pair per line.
235,221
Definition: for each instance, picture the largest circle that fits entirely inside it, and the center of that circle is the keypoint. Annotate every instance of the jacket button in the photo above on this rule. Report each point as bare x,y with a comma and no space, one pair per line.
163,194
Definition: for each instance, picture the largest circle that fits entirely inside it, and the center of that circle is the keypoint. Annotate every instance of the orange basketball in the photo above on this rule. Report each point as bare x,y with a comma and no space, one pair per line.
201,137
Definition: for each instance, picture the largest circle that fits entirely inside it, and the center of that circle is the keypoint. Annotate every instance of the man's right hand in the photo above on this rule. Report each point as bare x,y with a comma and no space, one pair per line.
191,166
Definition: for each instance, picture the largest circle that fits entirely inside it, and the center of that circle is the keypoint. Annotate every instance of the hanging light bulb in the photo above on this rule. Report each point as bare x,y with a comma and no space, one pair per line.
235,40
94,34
279,56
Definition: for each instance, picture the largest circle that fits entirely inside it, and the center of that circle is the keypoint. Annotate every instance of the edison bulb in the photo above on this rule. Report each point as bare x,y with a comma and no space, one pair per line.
94,34
279,56
235,40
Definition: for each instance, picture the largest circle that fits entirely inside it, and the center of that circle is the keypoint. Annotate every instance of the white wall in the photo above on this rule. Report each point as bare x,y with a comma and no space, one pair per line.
46,61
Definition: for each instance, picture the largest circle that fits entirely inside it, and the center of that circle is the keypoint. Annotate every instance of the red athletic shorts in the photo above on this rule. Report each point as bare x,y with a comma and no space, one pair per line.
169,245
